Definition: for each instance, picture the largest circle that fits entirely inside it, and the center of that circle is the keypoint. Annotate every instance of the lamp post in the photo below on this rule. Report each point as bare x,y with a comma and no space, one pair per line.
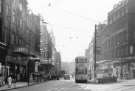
28,73
95,52
28,63
8,35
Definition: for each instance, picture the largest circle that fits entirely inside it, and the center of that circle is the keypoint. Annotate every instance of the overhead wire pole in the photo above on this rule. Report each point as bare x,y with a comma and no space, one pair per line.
95,51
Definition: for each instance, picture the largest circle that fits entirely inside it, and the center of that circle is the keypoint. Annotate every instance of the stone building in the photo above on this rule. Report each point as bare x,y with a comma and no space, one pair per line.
57,63
89,53
23,36
118,42
100,36
3,35
115,40
46,44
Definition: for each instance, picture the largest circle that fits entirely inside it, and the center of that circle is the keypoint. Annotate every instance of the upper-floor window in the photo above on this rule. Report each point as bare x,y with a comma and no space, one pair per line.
20,7
13,16
126,10
0,6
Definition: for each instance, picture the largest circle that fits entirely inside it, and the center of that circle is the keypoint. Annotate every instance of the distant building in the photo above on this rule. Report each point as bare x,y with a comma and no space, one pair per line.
44,42
91,60
58,62
46,47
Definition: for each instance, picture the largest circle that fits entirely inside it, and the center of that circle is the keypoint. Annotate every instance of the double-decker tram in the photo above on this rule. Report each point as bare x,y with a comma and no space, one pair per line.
81,69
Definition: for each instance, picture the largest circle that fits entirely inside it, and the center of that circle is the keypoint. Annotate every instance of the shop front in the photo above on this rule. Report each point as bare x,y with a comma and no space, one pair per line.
125,68
17,67
3,70
17,63
3,52
20,63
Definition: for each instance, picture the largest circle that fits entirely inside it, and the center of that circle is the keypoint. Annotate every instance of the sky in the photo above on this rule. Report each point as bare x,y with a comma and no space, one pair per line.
72,22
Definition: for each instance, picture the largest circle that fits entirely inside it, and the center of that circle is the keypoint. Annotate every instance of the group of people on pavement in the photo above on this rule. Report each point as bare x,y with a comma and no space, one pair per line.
11,81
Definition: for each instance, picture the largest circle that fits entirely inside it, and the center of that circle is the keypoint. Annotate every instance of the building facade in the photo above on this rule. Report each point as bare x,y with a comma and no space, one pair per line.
58,63
23,36
115,40
50,58
46,44
100,36
118,45
3,35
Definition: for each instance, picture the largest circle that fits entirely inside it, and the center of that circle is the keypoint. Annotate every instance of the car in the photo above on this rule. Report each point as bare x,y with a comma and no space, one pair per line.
66,76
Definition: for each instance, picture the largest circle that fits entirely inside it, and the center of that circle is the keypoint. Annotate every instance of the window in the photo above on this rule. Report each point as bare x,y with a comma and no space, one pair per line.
20,7
126,10
13,16
0,6
126,51
12,38
20,22
123,11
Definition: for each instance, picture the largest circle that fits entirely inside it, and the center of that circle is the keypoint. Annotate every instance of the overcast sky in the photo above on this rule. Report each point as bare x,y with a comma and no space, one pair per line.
72,22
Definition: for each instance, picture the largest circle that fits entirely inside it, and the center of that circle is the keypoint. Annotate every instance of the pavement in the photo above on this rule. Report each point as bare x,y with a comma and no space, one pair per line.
18,85
14,86
70,85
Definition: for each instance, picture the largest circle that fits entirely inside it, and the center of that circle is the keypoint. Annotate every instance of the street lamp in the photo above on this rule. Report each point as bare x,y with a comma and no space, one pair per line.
95,52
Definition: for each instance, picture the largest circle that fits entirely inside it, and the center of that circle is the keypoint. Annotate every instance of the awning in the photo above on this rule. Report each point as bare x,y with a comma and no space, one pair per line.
34,59
21,51
10,59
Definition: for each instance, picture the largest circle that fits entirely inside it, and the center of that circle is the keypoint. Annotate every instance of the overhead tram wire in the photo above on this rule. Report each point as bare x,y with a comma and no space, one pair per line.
78,15
73,14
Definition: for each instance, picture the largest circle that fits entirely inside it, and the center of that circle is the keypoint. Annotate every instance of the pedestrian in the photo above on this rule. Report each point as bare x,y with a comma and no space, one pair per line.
14,80
9,81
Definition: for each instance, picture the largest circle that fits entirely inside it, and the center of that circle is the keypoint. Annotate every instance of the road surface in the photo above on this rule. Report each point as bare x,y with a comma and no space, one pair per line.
70,85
